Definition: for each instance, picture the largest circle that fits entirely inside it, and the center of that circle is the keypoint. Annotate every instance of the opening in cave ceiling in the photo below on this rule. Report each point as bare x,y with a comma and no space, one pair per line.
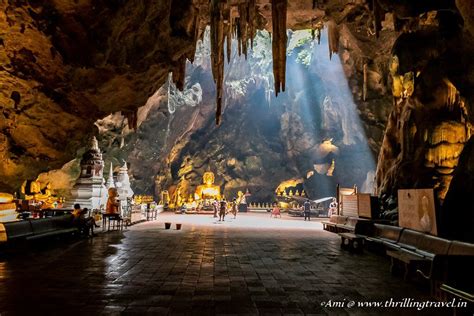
312,131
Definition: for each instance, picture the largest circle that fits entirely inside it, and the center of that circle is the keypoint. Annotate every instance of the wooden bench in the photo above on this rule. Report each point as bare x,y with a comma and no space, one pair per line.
459,294
39,228
409,261
348,226
453,268
52,226
381,234
352,241
355,238
334,220
18,230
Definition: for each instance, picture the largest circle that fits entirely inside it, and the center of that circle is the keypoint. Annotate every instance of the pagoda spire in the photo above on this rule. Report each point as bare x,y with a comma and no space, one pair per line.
110,181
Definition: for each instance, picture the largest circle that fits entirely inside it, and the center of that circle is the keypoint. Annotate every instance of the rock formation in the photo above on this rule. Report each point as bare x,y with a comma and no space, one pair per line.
66,64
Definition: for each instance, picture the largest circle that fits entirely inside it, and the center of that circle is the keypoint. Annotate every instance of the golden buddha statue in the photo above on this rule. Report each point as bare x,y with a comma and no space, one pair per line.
33,192
207,190
7,208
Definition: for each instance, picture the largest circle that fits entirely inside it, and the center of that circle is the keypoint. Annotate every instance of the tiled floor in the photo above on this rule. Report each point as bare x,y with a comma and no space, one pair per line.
242,266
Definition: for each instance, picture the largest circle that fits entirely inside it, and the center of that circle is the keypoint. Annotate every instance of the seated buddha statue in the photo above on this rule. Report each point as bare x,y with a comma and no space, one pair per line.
207,190
32,191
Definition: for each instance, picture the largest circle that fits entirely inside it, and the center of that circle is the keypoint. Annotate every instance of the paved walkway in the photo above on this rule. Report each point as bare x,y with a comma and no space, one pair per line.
251,265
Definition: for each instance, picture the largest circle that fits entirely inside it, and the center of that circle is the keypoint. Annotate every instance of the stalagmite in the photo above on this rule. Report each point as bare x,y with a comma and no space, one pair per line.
364,89
333,38
279,40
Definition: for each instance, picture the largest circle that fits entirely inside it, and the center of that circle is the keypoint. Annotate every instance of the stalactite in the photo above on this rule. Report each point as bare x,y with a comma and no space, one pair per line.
279,40
217,51
451,94
228,34
132,119
225,24
364,89
179,74
333,38
252,14
377,12
243,23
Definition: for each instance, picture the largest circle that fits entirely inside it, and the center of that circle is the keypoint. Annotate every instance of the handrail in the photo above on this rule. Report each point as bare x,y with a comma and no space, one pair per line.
457,292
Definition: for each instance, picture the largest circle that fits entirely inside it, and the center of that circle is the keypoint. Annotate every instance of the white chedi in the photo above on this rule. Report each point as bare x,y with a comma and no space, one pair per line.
122,183
89,190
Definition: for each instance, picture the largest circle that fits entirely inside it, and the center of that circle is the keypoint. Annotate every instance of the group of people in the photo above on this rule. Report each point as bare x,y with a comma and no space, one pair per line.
222,208
82,221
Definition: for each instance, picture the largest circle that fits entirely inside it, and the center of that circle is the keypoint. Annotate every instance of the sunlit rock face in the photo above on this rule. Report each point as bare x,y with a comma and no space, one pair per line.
262,140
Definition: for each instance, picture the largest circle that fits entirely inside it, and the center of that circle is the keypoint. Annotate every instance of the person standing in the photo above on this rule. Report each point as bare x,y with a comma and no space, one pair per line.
222,210
234,207
307,210
215,207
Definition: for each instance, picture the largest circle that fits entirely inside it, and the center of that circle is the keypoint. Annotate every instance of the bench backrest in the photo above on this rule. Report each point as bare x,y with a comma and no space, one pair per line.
387,231
364,227
341,219
63,221
352,221
18,229
411,237
42,225
434,245
461,248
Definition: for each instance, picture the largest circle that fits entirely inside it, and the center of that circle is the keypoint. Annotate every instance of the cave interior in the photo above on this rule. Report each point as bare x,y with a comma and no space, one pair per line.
378,92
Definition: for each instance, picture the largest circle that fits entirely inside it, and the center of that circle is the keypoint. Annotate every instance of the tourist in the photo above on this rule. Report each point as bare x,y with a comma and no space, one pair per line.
85,225
275,211
332,207
215,207
307,210
234,208
222,210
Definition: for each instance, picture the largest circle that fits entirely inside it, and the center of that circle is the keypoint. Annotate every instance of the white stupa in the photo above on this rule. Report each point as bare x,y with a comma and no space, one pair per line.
122,183
89,190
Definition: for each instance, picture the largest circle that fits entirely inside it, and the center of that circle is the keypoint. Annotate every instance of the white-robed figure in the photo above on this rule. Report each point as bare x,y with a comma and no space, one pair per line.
332,207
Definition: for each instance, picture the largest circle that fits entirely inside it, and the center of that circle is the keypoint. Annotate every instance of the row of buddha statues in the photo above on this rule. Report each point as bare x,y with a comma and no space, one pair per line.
290,193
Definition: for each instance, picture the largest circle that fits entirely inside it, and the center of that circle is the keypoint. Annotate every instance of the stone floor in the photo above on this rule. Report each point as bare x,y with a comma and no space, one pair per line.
250,265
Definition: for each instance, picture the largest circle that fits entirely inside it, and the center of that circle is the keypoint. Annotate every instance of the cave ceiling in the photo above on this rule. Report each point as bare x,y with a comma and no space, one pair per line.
65,64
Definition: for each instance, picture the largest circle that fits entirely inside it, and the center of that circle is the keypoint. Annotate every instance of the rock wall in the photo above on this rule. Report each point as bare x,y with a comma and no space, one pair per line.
431,119
65,64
